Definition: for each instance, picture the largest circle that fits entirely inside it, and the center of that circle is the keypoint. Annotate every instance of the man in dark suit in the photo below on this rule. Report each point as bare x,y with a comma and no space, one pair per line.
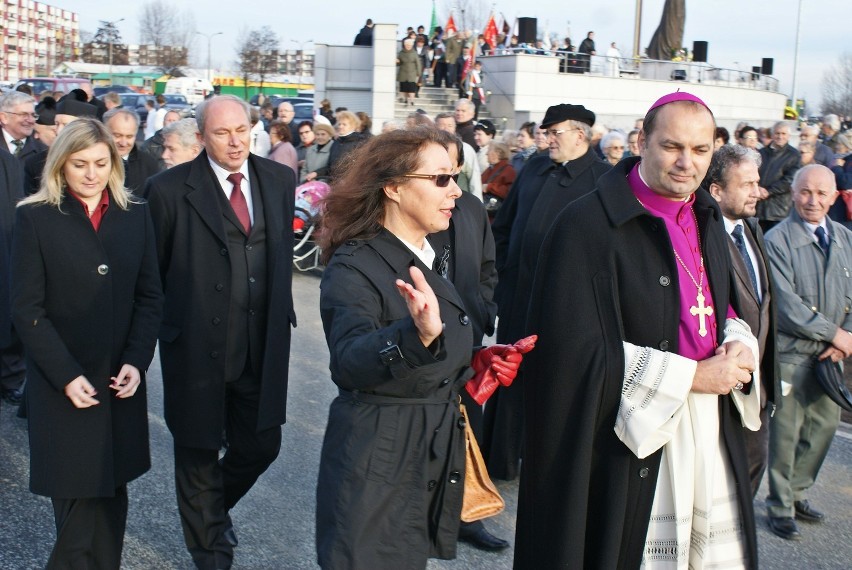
464,254
224,233
138,165
17,118
11,190
733,180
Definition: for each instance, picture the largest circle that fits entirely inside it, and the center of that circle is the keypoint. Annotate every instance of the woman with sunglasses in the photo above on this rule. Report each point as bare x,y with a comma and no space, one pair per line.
86,302
392,467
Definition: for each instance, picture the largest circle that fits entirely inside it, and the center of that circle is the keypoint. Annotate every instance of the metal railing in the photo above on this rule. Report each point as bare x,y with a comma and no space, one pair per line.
644,68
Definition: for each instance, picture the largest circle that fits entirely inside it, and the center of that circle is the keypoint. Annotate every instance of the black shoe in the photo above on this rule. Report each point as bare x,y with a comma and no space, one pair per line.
484,540
785,527
806,512
13,396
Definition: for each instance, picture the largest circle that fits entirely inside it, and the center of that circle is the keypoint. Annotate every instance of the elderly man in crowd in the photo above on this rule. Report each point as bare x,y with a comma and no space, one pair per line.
181,142
138,165
286,114
545,186
634,422
822,154
779,163
464,113
830,130
810,256
18,118
470,177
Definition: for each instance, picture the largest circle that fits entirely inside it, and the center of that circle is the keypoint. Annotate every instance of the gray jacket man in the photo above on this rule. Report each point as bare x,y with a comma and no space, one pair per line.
810,257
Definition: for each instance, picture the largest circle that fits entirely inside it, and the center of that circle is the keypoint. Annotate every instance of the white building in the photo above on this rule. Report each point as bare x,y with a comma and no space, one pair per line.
34,38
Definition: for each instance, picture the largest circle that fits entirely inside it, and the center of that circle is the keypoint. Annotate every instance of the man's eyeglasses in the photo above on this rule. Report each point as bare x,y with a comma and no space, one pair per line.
441,180
33,116
557,132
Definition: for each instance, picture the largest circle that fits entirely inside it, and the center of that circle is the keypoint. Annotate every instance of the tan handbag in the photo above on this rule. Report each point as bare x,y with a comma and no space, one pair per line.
481,499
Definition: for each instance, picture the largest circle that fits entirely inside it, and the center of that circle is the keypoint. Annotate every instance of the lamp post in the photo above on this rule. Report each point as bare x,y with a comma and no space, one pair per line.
301,59
209,47
111,27
796,57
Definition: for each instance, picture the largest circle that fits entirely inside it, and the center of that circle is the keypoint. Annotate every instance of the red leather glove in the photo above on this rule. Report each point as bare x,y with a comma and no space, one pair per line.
496,364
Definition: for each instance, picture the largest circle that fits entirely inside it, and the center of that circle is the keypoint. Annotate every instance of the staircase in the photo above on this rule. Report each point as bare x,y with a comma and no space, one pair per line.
435,100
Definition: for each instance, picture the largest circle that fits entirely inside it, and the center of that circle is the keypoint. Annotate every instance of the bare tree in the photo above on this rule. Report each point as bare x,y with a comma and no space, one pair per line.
257,54
837,87
467,14
170,33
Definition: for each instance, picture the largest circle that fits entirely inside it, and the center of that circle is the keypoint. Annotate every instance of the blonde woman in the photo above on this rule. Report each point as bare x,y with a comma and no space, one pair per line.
86,302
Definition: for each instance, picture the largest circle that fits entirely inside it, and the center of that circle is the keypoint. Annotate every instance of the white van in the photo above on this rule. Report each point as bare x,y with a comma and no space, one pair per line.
193,88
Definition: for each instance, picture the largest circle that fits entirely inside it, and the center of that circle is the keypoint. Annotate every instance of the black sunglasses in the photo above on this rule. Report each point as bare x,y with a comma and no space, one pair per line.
441,180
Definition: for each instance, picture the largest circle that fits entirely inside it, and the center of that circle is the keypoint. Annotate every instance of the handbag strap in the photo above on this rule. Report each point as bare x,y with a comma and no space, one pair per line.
496,173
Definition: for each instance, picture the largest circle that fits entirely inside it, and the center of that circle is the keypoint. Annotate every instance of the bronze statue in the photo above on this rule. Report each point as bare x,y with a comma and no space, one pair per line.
669,35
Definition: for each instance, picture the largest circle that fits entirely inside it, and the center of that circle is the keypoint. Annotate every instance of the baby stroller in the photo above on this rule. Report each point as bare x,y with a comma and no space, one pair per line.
306,252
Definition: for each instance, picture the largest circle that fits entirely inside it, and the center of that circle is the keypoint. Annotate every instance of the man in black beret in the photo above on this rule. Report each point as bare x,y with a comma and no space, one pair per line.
545,186
68,109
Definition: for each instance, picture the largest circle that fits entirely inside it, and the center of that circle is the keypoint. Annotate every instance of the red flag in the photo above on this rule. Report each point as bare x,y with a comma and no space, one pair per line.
491,32
451,25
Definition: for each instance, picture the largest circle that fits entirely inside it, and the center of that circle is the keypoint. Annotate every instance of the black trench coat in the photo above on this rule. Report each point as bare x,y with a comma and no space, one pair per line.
606,274
85,303
392,468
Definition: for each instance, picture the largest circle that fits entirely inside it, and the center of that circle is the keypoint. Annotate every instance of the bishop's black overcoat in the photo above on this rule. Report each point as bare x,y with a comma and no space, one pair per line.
606,274
85,303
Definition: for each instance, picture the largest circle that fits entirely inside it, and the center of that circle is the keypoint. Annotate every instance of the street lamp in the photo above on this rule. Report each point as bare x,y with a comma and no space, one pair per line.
111,27
209,47
796,57
301,59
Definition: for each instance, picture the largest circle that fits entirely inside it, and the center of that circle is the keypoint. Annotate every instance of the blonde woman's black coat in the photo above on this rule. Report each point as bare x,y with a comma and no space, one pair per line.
85,303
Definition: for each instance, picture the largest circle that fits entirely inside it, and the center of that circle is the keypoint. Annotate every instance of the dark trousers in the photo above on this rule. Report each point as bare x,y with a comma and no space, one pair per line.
452,74
89,532
208,487
13,367
439,74
757,450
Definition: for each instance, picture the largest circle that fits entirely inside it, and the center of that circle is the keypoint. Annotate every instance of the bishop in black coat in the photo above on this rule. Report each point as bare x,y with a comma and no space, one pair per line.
606,275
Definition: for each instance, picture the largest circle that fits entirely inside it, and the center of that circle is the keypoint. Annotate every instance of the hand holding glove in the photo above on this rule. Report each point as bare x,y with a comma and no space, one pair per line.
496,364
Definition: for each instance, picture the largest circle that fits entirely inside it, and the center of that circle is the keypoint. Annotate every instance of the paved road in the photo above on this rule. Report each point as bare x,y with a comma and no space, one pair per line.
275,521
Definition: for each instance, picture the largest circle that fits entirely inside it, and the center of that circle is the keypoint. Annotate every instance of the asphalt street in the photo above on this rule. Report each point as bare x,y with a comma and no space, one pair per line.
275,521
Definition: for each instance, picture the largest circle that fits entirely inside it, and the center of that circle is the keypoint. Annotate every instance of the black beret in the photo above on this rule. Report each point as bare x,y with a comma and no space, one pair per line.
486,126
566,112
71,106
46,111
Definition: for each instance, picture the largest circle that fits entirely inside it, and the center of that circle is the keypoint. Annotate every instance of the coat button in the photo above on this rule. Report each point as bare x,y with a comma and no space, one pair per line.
103,269
248,247
454,477
664,344
464,319
643,473
252,312
216,320
219,286
431,485
665,281
251,280
214,354
351,242
461,423
223,251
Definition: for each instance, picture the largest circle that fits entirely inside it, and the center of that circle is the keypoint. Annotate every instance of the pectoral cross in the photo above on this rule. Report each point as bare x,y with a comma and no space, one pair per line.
701,312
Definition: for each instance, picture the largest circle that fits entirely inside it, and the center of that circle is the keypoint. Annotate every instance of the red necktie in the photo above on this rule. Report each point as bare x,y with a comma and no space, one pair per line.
238,201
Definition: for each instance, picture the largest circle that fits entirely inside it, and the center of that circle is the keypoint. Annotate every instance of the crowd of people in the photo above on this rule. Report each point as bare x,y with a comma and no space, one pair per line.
640,431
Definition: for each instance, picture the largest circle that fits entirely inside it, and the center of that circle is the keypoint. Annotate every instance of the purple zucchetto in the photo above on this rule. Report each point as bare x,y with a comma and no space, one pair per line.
677,96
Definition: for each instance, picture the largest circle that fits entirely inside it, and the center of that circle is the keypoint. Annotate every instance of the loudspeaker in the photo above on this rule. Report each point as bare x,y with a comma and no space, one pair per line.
766,67
678,75
527,28
755,72
699,51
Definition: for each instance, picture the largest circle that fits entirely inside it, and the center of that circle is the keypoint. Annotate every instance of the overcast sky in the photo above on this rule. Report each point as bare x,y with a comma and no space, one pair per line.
739,32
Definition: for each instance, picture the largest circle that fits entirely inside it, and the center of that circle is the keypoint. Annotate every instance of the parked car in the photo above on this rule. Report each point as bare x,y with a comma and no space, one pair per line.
104,89
65,84
136,102
180,104
304,112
